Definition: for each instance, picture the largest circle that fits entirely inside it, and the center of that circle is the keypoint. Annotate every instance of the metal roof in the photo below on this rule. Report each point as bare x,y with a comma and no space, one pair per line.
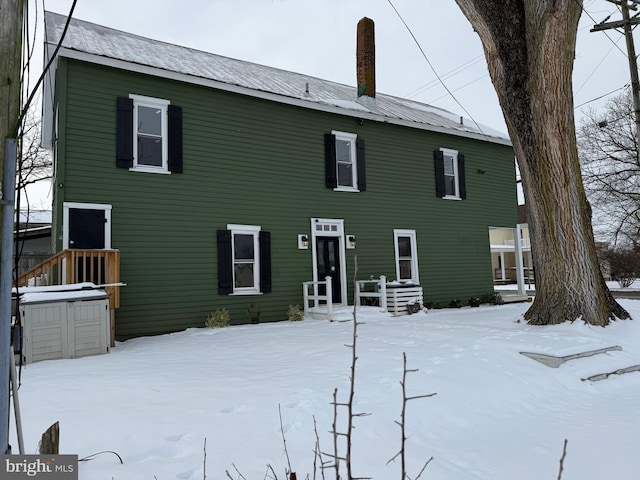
96,43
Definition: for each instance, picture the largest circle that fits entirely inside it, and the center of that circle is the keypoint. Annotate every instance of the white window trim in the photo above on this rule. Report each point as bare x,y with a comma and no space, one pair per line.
87,206
139,100
454,154
246,230
338,232
415,275
352,137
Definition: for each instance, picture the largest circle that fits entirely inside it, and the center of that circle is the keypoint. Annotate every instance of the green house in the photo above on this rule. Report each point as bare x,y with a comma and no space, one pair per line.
226,184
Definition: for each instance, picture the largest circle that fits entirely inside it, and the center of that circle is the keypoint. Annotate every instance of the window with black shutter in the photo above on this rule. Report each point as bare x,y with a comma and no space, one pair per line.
244,260
345,168
148,135
450,174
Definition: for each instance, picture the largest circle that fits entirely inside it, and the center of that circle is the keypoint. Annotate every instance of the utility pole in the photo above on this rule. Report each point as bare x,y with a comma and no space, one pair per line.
626,23
11,19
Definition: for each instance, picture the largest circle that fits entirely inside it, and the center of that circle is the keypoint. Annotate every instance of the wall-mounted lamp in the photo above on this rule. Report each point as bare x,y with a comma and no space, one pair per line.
351,241
303,241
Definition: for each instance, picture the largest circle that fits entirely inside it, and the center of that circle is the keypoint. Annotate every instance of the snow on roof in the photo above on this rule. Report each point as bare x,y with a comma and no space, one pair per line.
99,44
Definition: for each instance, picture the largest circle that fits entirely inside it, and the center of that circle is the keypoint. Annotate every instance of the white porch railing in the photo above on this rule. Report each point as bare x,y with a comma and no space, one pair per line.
379,291
316,297
526,242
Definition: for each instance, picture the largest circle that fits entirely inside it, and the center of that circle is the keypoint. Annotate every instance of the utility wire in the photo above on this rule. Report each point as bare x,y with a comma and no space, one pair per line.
45,70
596,67
603,31
462,86
450,73
601,96
433,69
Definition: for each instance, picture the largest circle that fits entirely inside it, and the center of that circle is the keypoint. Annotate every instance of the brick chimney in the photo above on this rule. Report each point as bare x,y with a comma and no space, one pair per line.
366,58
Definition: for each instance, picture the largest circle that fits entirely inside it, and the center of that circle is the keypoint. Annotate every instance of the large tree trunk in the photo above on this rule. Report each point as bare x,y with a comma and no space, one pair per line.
529,46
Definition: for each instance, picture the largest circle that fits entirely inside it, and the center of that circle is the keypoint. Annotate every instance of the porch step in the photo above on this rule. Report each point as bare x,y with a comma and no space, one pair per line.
338,314
514,297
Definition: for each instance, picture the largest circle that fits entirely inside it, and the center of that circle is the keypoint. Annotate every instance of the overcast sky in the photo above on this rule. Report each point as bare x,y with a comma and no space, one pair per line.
317,37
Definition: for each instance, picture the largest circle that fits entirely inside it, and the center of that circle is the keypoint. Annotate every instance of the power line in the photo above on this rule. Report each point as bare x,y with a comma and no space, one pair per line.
450,73
432,68
601,96
596,22
463,86
596,68
45,69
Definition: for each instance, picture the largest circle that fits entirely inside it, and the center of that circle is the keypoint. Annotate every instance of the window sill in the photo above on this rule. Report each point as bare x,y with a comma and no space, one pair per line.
346,189
450,197
248,292
161,171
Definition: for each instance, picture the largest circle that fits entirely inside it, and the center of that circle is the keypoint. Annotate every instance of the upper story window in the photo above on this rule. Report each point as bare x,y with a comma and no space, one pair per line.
244,260
148,135
406,255
345,162
450,174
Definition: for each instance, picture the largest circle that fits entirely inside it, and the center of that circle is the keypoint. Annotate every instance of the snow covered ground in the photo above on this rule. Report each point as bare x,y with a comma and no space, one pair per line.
497,414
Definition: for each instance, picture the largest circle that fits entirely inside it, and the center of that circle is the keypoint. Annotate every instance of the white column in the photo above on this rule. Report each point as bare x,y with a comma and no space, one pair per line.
517,242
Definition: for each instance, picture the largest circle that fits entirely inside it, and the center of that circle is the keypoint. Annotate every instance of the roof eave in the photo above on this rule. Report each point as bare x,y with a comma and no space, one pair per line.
300,102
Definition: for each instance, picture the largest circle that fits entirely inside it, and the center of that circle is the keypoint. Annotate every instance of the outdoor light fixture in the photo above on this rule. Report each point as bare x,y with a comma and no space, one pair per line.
351,241
303,241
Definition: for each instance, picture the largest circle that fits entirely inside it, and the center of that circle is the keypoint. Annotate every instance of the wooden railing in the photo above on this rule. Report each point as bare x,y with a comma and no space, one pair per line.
101,267
316,297
378,294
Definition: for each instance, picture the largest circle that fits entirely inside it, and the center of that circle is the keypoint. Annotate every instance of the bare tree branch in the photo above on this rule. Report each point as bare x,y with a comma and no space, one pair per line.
564,455
610,164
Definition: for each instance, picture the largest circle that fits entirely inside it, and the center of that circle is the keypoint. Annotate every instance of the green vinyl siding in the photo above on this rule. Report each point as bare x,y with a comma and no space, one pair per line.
254,162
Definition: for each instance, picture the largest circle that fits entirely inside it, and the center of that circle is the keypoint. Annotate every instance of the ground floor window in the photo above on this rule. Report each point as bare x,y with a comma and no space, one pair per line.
244,260
406,255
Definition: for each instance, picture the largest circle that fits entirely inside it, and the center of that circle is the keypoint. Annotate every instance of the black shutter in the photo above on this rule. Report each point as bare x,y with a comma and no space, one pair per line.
124,132
330,167
175,139
225,263
265,262
462,183
438,156
360,161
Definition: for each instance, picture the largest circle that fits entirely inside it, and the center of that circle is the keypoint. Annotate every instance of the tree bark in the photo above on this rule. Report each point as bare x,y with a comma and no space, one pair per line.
529,46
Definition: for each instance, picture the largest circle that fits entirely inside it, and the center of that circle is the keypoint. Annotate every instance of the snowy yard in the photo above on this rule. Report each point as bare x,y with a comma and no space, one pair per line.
497,414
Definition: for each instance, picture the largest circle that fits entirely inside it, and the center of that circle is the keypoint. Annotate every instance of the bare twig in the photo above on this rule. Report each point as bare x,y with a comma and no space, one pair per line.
317,454
290,473
403,417
204,463
266,475
564,454
336,459
352,383
90,457
423,468
237,471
